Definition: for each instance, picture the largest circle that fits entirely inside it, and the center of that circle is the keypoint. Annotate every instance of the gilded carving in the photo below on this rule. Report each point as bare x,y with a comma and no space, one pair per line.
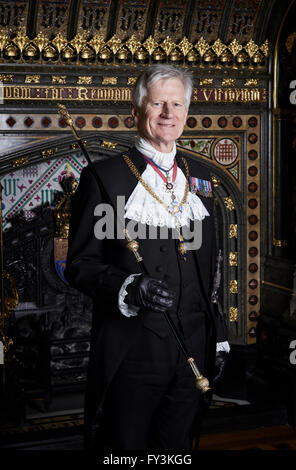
114,44
61,79
41,40
20,162
32,79
233,255
3,39
167,45
62,211
233,314
228,82
97,43
233,286
76,146
233,231
218,47
84,80
133,44
6,78
49,152
109,81
280,243
78,42
206,81
157,48
251,48
185,46
251,82
265,48
201,46
21,40
109,145
216,182
150,45
235,47
229,203
59,41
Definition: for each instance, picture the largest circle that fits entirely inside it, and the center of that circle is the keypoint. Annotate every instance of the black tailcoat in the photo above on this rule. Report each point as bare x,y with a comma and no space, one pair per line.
99,267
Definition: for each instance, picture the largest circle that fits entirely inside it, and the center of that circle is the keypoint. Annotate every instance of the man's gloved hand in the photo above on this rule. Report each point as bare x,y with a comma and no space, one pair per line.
220,363
149,293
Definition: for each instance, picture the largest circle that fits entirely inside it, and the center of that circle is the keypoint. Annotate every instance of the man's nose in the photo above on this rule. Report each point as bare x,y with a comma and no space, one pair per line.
167,110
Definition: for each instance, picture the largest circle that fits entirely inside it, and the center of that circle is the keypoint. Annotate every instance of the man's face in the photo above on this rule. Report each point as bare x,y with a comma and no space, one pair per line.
162,116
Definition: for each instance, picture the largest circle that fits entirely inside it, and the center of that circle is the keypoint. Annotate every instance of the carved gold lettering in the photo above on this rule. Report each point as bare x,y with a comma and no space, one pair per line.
207,96
7,92
126,94
16,92
255,94
246,94
264,95
25,93
117,94
55,93
82,93
238,94
231,95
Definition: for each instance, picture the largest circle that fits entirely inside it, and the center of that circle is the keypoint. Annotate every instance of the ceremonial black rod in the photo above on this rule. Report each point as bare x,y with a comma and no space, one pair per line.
202,382
2,310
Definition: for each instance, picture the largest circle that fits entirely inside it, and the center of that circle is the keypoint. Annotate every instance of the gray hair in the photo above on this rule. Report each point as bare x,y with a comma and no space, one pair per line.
158,72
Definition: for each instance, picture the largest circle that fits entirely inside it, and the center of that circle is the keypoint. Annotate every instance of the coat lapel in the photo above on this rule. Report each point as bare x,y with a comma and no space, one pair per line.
116,178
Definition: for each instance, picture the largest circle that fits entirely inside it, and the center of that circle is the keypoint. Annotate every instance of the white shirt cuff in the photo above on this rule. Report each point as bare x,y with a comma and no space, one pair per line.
126,309
223,346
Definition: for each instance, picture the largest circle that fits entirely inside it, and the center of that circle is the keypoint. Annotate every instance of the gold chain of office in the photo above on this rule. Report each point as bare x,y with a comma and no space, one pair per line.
136,173
173,211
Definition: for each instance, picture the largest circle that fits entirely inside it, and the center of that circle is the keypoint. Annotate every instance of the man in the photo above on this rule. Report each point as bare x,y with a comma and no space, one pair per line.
141,393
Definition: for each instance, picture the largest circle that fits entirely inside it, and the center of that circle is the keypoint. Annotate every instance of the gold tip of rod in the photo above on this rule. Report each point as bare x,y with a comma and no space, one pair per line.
69,121
201,382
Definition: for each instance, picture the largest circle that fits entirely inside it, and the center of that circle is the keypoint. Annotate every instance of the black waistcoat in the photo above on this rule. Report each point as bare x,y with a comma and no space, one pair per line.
181,277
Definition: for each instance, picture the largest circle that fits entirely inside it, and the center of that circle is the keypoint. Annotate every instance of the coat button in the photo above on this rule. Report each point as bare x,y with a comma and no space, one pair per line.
159,269
163,248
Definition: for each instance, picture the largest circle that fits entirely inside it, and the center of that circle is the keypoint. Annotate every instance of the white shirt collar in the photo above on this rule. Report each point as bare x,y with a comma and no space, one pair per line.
164,160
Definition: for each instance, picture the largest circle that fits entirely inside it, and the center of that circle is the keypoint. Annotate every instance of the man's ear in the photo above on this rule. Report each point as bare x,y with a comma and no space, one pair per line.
134,113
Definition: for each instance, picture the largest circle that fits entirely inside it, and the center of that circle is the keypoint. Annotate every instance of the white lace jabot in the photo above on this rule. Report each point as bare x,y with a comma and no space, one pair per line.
143,208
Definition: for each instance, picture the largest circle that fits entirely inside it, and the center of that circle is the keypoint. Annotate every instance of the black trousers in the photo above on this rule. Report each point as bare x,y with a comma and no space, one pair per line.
153,403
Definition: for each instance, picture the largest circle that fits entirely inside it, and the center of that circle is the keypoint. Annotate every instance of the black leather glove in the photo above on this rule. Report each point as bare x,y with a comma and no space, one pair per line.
220,363
149,293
